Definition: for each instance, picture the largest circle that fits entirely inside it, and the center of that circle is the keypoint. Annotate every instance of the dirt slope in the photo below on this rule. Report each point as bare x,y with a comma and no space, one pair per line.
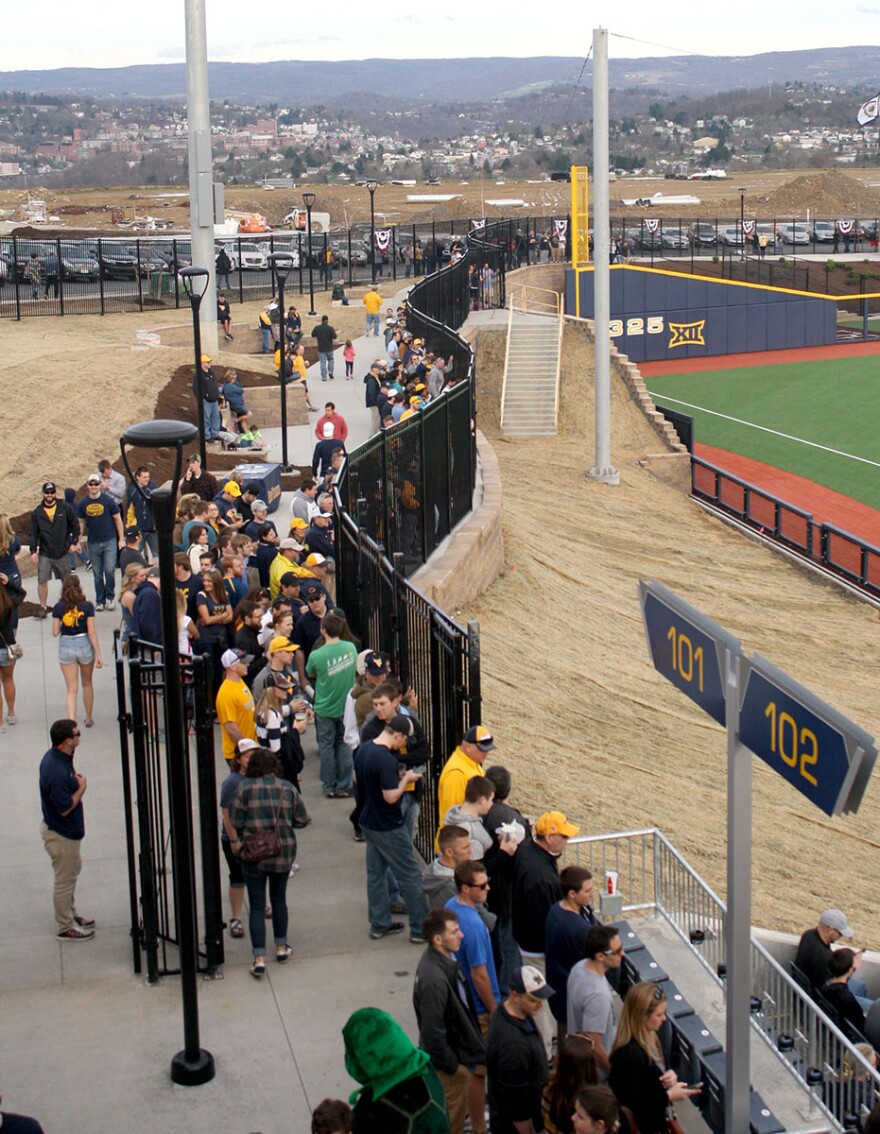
580,715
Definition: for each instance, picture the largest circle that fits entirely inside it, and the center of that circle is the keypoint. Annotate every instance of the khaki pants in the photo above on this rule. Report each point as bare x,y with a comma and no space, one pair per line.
67,863
455,1087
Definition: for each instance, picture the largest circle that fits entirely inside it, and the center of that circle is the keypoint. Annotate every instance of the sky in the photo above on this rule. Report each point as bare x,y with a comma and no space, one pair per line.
93,33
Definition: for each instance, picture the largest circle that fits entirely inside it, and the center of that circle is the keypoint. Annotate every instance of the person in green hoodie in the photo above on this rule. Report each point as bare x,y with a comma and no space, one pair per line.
401,1093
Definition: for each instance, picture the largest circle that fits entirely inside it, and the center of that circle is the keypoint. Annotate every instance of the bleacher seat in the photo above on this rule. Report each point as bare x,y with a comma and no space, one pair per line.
629,939
693,1041
676,1005
640,965
713,1072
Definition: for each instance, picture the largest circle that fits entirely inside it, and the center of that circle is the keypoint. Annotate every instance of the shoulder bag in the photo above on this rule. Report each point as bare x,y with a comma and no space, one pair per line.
260,845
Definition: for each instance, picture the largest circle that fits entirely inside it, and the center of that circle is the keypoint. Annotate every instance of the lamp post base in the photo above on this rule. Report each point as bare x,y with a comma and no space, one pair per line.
192,1073
609,475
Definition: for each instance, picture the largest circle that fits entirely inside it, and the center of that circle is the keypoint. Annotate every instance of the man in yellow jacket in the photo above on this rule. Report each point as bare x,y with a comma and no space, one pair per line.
372,306
464,763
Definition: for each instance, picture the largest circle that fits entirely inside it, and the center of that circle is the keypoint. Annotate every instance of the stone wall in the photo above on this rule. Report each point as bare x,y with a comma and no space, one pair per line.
472,556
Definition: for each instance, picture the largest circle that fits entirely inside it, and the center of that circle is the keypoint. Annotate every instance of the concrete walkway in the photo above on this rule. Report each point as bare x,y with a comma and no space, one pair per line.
86,1046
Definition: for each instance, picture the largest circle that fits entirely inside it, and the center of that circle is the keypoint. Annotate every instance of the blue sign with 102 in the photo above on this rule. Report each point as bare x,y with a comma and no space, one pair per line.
804,740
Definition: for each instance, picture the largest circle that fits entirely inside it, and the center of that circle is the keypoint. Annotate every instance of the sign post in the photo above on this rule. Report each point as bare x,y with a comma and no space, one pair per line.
810,744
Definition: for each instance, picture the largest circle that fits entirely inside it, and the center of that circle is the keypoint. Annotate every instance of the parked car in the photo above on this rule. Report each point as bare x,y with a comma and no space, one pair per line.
704,235
823,231
731,236
674,237
795,234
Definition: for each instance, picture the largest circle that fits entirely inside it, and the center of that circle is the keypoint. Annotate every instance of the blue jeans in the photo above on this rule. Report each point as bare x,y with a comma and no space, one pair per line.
212,420
325,357
255,880
337,761
150,540
372,321
268,344
393,850
103,555
411,808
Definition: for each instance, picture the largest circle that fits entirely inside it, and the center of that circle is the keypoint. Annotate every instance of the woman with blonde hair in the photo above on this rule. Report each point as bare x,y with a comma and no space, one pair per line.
132,577
639,1076
79,651
10,546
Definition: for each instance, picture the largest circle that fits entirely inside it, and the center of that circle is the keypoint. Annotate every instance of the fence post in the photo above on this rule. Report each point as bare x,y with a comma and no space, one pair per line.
475,692
399,649
145,833
123,720
101,273
140,275
206,781
60,278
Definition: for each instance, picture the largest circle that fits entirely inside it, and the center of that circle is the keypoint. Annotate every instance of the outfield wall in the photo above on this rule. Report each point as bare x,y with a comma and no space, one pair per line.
658,315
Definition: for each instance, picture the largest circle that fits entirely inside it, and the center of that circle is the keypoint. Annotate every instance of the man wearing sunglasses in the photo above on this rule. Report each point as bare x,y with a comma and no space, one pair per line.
590,1004
54,537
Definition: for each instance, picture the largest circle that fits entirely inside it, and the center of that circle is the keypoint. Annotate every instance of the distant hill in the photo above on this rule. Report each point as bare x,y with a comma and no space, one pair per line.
447,80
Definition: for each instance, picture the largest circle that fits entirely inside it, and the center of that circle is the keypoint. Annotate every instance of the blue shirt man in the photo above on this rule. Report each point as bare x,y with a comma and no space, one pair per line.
100,522
475,952
63,826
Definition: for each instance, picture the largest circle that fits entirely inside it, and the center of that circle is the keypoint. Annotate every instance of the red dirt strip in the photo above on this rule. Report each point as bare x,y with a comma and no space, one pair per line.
757,358
824,504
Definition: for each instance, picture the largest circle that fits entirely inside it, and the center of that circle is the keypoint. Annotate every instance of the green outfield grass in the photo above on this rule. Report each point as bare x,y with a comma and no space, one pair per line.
834,404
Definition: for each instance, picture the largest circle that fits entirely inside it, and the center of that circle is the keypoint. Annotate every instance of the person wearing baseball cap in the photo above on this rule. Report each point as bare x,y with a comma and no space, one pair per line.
814,951
235,703
464,763
54,537
536,889
516,1064
287,560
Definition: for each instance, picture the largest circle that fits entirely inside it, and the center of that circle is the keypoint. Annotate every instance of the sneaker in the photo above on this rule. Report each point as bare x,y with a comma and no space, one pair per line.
283,955
258,969
12,719
99,606
110,605
398,907
87,564
378,934
358,835
418,938
84,922
75,934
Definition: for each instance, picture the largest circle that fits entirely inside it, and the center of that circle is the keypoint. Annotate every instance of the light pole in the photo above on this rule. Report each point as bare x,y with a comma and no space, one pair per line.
281,263
193,1065
372,186
195,284
309,202
742,219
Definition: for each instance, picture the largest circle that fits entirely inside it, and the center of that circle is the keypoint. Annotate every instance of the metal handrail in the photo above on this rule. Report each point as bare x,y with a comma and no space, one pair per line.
524,297
659,879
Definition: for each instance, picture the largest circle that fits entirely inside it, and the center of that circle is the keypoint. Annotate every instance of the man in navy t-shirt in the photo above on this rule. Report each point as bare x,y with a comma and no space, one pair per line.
380,785
63,827
101,523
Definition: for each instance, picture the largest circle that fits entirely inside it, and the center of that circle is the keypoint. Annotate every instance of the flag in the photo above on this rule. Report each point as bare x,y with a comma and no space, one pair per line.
869,110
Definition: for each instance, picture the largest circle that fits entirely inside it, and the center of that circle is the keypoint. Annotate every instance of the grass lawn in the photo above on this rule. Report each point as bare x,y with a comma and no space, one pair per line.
833,403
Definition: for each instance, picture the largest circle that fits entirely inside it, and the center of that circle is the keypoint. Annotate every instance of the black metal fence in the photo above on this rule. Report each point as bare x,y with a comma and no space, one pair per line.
830,547
437,657
107,275
142,731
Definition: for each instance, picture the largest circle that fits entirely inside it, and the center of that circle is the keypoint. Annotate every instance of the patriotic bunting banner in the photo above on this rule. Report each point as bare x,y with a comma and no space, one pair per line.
845,226
652,224
478,225
748,227
869,110
383,239
561,227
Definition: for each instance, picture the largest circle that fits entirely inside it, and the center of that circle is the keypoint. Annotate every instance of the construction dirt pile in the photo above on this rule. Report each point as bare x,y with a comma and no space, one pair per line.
827,194
579,714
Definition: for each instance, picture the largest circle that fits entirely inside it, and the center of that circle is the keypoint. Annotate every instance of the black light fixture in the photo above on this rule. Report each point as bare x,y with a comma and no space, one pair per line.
195,284
281,263
309,202
372,186
193,1065
742,228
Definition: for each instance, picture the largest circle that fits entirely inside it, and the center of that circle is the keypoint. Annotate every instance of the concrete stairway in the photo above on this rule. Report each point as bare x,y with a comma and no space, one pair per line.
531,375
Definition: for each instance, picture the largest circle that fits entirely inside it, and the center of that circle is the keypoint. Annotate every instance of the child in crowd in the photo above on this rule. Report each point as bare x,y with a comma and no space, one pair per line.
348,355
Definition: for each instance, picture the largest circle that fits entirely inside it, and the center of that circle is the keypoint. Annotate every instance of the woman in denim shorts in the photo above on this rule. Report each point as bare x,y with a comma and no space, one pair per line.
73,623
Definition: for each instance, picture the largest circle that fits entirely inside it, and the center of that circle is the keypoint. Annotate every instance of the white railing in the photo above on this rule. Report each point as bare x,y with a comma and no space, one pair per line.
655,878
